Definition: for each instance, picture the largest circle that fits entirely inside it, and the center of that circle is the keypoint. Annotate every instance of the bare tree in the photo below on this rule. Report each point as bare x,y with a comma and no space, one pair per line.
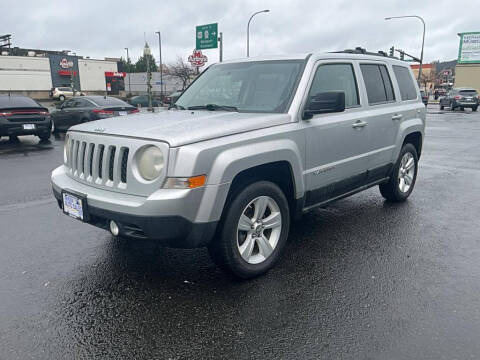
182,70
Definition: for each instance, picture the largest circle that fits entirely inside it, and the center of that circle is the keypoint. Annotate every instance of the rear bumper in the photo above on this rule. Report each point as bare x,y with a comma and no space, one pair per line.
10,128
163,218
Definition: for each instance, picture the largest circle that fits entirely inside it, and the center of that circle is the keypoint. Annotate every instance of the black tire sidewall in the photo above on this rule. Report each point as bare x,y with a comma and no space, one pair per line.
411,149
229,228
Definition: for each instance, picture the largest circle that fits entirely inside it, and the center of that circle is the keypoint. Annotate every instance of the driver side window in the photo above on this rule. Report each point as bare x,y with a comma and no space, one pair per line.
336,77
69,103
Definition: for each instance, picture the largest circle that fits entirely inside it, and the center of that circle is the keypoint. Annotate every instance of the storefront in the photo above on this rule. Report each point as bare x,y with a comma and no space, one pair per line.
64,71
114,82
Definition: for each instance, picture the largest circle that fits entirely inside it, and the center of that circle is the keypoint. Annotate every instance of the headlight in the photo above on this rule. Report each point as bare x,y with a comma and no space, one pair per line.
66,149
150,162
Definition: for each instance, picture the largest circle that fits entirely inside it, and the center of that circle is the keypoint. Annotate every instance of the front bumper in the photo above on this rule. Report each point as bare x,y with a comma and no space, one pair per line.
167,215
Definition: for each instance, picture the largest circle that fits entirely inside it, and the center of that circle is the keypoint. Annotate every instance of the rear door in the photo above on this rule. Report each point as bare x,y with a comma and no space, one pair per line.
337,143
383,117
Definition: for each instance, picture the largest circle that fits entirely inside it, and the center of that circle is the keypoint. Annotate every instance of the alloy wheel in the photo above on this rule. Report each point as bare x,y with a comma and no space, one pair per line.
406,172
259,229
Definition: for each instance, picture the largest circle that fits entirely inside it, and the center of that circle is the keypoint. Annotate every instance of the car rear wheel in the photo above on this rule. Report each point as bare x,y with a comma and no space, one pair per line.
441,107
474,108
61,98
253,231
44,137
403,177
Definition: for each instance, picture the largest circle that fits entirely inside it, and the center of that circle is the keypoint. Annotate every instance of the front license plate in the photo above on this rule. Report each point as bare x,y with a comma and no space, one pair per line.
28,126
121,113
74,205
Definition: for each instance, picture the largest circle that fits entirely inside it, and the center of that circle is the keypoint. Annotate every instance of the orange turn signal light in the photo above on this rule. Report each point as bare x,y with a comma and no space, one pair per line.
197,181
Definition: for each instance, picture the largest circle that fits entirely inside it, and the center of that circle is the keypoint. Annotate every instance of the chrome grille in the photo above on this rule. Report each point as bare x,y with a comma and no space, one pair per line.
98,163
108,162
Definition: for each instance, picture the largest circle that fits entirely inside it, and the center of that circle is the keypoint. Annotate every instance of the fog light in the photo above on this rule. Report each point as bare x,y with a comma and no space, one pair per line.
114,228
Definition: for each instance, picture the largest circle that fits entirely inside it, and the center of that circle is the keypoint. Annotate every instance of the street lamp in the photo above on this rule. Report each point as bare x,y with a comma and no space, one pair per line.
161,67
129,84
423,37
248,29
146,54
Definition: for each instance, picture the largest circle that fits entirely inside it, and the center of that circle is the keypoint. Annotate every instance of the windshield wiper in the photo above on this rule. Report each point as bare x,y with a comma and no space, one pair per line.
179,107
213,107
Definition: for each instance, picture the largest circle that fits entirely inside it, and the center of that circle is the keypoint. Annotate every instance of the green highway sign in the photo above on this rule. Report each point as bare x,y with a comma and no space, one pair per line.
206,36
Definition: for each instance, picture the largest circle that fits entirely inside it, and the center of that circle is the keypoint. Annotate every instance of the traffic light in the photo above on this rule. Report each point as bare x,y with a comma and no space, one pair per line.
392,50
402,55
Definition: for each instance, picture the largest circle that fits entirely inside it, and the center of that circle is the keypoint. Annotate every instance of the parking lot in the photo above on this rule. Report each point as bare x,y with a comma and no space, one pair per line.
360,279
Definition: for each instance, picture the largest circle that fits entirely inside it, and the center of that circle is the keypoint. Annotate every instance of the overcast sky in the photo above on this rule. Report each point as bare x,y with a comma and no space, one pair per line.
104,28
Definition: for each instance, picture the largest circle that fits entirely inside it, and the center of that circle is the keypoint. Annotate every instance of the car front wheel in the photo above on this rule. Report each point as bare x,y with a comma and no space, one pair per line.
253,231
403,177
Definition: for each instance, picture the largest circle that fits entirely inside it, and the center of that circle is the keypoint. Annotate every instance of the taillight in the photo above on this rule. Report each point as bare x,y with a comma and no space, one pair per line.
103,112
458,97
134,111
23,112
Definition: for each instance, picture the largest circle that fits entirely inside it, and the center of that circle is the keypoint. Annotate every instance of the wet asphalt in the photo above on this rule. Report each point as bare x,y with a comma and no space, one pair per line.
360,279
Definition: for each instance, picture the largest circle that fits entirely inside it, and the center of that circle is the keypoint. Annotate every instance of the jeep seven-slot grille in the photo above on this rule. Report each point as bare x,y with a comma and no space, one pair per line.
123,173
98,163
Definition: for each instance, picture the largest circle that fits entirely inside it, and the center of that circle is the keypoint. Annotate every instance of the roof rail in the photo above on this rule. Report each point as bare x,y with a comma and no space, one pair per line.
360,50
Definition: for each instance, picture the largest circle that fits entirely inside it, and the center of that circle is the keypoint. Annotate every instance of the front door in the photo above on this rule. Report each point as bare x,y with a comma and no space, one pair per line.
337,143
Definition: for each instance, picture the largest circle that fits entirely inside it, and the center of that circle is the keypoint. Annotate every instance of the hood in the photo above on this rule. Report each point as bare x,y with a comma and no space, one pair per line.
183,127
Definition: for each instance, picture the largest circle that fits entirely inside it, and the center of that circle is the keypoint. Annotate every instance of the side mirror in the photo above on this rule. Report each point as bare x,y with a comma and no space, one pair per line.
325,102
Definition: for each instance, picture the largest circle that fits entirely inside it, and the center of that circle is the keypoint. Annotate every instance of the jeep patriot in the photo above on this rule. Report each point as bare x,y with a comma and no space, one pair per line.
247,148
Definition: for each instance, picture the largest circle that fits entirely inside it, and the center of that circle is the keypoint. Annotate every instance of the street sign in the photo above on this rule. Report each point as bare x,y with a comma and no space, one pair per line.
197,58
206,36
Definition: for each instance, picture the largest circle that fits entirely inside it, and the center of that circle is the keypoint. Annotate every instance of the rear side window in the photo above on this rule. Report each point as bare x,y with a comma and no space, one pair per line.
468,92
405,82
378,83
336,77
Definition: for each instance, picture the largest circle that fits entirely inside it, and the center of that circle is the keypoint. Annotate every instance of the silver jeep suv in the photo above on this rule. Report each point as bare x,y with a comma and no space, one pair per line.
248,147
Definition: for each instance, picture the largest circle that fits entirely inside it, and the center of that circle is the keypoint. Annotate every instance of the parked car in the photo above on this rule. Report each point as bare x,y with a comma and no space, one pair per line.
173,97
62,93
20,115
142,100
83,109
460,98
424,97
249,147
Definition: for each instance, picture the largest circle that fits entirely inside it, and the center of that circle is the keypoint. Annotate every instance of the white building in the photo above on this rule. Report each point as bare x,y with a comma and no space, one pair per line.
25,74
92,73
138,83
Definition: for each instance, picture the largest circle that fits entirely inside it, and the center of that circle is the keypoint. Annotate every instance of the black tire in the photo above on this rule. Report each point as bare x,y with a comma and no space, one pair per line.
54,128
61,98
441,107
224,250
462,109
474,108
391,189
44,136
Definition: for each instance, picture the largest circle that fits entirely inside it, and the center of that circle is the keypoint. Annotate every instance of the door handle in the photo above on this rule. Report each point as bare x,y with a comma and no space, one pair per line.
397,117
359,124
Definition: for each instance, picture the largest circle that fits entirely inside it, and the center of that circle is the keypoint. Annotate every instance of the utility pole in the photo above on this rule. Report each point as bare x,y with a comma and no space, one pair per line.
129,84
221,46
146,54
161,66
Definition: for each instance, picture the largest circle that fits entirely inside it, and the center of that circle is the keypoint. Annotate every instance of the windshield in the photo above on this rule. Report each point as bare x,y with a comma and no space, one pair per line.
261,86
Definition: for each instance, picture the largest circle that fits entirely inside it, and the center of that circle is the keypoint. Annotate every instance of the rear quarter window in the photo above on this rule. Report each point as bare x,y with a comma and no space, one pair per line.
405,82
